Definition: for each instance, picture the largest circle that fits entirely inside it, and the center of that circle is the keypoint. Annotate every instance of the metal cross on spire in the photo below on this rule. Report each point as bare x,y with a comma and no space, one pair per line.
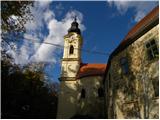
75,18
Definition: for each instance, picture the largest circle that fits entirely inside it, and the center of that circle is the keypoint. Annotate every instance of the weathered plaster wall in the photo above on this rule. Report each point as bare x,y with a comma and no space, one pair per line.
70,102
92,104
126,92
70,68
67,99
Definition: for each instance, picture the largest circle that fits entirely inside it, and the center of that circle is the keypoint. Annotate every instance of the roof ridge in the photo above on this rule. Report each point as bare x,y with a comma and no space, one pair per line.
144,19
91,70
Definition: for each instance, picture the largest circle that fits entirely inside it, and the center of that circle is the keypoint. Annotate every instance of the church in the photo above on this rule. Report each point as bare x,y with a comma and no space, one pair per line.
126,87
80,83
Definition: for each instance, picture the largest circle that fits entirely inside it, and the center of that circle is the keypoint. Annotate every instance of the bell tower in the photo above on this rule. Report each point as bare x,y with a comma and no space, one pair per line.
67,99
72,52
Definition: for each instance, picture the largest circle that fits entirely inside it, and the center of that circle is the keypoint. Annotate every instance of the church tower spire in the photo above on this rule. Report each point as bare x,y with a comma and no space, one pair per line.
74,27
69,69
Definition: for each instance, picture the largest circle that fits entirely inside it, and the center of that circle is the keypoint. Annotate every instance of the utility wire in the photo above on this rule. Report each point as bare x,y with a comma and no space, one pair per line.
85,50
60,46
28,48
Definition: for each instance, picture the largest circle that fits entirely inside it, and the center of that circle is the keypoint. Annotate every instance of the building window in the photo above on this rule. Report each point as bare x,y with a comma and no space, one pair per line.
83,93
152,50
124,65
71,49
156,87
100,92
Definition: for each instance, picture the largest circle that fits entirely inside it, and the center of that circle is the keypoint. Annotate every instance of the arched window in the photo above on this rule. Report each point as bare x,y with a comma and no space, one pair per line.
100,92
83,93
71,49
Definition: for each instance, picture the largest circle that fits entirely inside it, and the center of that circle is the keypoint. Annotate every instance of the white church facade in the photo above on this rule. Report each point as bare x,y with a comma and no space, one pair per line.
81,91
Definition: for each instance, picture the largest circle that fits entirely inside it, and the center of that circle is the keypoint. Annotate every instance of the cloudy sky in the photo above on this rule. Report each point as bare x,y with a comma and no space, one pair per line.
103,25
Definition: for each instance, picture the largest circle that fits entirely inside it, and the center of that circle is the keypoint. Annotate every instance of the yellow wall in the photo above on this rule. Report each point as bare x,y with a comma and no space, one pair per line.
92,105
70,102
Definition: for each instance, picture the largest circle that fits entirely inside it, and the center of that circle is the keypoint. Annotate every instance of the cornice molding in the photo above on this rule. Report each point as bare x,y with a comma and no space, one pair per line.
71,59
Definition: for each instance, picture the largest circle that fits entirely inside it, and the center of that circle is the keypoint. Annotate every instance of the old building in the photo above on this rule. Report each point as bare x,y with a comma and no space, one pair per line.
132,74
81,85
127,87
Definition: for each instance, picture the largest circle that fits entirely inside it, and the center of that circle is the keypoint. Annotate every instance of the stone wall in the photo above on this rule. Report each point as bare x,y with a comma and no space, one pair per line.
132,95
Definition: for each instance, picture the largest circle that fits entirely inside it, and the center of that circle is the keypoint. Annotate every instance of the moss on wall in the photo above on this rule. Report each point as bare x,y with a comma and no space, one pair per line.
130,93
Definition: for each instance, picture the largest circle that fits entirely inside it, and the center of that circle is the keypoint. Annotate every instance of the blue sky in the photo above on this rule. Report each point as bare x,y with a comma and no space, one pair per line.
103,24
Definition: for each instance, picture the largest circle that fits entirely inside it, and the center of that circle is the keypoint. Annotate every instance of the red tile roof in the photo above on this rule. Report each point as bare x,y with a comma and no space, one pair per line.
147,23
91,70
142,23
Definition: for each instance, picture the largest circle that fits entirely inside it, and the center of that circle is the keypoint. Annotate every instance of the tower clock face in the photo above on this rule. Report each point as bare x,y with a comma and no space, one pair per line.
72,38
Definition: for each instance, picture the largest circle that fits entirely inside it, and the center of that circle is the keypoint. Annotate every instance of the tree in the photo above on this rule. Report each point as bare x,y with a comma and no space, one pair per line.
11,10
14,15
24,94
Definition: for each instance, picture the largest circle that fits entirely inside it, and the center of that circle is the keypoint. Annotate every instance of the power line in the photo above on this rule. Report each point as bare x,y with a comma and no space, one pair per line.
28,48
60,46
85,50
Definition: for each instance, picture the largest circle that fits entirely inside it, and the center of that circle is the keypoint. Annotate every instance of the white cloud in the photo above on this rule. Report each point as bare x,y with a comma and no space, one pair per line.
44,19
139,15
40,8
57,29
122,6
43,4
70,16
141,8
48,15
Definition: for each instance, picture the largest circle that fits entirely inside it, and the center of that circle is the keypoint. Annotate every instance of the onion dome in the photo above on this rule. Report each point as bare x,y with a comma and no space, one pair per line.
74,27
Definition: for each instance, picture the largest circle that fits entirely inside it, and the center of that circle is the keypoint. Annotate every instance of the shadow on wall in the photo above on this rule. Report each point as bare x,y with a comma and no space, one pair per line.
91,106
67,100
145,72
133,92
125,90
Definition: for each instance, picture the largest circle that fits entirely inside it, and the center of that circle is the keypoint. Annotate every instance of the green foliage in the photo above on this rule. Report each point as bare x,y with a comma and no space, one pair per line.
14,15
20,9
24,94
